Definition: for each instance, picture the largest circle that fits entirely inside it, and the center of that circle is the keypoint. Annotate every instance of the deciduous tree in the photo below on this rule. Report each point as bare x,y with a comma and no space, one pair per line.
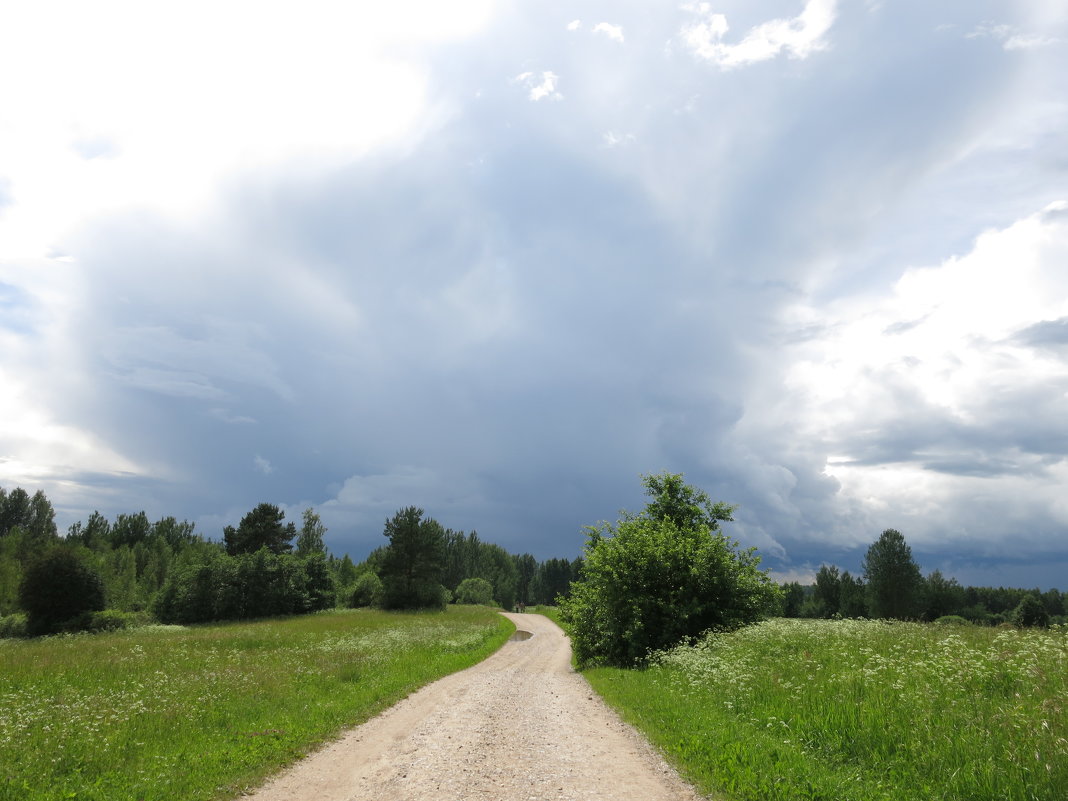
56,588
312,533
828,589
659,577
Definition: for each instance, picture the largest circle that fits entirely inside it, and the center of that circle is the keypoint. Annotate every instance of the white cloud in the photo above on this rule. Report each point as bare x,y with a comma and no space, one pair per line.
798,37
262,465
922,393
121,105
611,139
613,32
574,25
1011,38
540,85
35,448
1029,42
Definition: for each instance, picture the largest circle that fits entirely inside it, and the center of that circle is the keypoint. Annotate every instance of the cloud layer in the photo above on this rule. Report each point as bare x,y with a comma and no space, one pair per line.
497,260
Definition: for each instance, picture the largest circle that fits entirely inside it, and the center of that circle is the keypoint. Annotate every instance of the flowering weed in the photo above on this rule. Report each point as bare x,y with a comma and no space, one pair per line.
860,709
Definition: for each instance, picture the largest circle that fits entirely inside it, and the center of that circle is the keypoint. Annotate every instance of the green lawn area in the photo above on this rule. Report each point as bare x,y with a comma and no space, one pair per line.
204,712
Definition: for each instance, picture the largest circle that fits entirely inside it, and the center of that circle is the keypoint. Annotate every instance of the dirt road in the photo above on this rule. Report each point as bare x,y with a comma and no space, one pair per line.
521,725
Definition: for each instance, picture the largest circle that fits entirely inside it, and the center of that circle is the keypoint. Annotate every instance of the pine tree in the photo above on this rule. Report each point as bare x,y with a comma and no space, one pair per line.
895,584
413,561
260,528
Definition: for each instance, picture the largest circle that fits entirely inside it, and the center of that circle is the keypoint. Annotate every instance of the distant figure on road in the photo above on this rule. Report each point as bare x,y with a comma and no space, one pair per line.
521,607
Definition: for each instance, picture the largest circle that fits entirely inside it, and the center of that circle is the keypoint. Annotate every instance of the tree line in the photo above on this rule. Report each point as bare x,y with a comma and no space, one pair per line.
107,573
425,565
892,586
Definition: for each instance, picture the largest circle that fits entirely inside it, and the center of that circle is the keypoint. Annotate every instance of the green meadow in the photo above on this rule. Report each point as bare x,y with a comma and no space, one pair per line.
859,710
204,712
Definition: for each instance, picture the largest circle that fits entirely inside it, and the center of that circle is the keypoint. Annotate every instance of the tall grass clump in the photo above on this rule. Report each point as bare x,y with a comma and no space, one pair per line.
204,712
859,710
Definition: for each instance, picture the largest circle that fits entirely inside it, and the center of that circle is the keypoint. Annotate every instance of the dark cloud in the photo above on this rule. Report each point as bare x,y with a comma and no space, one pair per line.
508,320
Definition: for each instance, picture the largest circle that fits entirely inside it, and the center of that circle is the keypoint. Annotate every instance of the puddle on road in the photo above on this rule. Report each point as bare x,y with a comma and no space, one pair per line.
520,635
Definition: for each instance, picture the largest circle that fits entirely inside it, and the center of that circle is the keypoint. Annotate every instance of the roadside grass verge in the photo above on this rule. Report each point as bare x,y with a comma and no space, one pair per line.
858,711
205,712
551,612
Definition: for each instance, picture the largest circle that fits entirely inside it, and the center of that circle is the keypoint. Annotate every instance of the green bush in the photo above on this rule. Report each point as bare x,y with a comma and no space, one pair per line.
417,595
1031,612
58,588
952,620
367,591
658,578
112,620
13,625
475,591
248,585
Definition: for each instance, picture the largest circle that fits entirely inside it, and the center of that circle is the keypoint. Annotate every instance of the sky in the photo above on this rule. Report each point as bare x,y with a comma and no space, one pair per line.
498,259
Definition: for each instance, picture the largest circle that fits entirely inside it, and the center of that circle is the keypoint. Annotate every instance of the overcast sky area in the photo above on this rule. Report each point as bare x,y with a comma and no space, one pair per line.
498,259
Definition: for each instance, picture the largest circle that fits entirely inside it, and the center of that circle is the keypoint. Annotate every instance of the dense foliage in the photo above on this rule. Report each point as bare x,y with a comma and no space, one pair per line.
260,528
894,588
168,570
412,563
474,591
169,567
893,578
660,577
57,588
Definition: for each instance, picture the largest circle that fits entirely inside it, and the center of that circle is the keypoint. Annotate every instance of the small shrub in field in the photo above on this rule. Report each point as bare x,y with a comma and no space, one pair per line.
111,620
367,591
1031,612
952,620
13,625
475,591
58,588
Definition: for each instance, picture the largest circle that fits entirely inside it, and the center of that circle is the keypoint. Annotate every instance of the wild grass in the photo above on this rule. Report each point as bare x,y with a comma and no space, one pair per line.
551,612
859,710
205,712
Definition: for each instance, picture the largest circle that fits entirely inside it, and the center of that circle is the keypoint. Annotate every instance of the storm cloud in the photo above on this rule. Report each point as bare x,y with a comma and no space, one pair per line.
499,264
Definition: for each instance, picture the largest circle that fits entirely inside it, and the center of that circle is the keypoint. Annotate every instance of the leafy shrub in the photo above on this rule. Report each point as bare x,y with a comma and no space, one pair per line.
475,591
1031,612
57,588
13,625
367,591
418,595
952,620
248,585
656,579
112,620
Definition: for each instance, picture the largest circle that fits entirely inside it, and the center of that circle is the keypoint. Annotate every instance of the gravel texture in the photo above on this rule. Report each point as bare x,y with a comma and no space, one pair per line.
519,726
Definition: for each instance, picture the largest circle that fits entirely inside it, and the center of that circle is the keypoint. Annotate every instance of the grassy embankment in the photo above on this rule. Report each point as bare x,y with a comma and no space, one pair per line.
859,710
206,711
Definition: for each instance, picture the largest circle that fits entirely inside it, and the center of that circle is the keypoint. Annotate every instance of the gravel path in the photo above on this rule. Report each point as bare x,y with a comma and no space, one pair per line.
521,725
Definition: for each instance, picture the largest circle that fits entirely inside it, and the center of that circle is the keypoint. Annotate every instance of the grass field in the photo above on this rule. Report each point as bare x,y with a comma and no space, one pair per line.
859,710
206,711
